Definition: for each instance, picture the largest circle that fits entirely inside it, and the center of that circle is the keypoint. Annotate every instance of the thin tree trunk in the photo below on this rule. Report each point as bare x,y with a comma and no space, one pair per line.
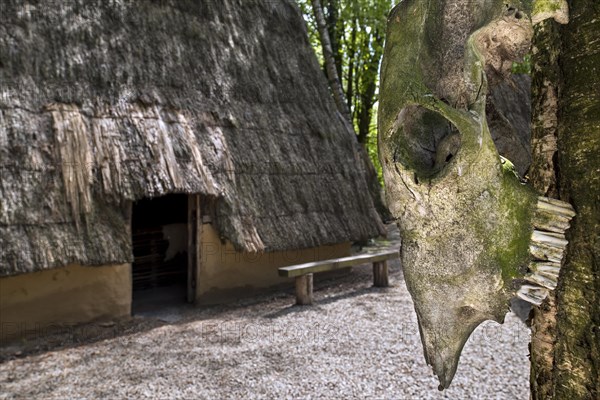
573,343
357,99
334,34
365,113
342,105
577,349
334,79
351,64
544,140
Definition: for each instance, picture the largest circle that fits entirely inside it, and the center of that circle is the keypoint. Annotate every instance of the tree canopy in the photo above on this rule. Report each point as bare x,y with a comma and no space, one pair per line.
357,31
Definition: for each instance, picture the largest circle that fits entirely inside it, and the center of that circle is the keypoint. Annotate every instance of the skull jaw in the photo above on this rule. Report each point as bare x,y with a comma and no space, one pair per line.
443,349
452,297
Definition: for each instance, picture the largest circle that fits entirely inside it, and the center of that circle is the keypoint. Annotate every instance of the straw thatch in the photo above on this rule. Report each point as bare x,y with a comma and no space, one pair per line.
107,102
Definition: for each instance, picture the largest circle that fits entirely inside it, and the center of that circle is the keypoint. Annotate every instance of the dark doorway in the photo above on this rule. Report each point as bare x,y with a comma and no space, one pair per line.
159,229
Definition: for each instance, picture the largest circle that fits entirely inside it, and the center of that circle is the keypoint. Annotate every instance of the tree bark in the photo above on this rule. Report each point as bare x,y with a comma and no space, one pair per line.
544,139
334,79
351,64
332,19
566,358
367,96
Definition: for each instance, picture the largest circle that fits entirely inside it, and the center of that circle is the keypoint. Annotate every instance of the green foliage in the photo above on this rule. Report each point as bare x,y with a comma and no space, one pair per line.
523,67
371,145
357,31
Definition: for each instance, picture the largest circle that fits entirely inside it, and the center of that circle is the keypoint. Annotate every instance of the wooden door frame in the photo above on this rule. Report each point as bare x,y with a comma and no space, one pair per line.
194,223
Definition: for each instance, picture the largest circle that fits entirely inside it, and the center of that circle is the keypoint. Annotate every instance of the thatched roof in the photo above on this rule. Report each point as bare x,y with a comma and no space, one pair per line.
106,102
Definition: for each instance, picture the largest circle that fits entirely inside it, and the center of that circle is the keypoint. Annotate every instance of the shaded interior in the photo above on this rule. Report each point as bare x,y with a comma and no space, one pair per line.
159,236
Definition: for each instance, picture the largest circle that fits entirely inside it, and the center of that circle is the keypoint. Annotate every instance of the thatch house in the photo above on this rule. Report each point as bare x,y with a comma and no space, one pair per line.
152,142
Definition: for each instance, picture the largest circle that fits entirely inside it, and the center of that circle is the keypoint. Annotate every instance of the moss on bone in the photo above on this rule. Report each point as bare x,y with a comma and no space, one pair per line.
403,78
545,9
518,202
540,6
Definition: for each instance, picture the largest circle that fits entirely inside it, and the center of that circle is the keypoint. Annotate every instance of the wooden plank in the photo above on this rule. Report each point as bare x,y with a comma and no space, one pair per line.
304,290
338,263
380,274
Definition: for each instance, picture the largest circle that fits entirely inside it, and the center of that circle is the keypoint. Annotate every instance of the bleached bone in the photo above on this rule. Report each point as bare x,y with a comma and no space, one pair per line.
555,206
533,294
545,268
551,239
549,221
556,202
544,252
546,281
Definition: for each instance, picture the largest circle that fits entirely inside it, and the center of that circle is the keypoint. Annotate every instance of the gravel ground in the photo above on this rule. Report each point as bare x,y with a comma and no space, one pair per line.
356,342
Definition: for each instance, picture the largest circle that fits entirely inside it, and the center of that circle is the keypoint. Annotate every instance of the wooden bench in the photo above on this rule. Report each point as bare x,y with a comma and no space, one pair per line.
304,272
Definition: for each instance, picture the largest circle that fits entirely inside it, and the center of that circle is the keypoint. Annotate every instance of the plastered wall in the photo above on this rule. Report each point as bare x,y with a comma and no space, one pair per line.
31,304
224,273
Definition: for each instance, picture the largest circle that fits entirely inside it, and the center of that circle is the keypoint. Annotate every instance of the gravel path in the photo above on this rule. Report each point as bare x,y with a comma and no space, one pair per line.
357,342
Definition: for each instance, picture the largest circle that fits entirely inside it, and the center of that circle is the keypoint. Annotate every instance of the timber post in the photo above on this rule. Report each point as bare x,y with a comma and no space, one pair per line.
380,274
304,290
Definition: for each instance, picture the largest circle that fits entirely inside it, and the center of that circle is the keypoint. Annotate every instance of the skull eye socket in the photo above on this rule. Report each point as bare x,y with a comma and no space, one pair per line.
424,141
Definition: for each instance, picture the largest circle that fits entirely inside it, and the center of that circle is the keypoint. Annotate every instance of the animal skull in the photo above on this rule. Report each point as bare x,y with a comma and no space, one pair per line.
473,234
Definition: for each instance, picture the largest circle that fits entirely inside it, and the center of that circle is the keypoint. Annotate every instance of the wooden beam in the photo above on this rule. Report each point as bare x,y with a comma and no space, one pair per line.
304,290
338,263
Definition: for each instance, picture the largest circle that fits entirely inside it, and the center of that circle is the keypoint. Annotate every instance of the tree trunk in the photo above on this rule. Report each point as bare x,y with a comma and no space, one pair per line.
367,96
544,139
334,79
566,362
351,64
342,105
332,19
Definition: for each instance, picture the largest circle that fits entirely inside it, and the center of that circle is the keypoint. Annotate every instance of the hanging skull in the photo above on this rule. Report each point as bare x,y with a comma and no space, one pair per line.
473,234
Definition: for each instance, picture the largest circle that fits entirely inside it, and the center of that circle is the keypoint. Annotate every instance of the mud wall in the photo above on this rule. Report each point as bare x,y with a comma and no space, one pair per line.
32,304
225,273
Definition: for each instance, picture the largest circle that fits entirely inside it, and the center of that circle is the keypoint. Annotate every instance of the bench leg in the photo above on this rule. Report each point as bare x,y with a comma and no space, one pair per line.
304,289
380,274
